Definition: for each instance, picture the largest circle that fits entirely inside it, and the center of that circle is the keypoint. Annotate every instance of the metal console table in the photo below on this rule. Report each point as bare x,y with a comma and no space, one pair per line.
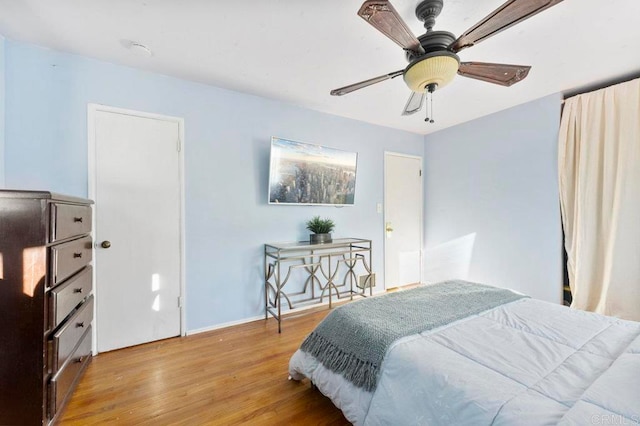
327,270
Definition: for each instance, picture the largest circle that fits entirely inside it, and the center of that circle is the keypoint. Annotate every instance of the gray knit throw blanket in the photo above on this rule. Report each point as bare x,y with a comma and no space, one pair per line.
353,339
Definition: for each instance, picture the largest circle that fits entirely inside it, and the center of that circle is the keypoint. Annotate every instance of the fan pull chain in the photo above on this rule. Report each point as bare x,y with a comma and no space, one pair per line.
432,114
429,108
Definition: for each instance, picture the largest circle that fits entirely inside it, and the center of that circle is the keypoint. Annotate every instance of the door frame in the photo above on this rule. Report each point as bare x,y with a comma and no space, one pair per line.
384,223
92,110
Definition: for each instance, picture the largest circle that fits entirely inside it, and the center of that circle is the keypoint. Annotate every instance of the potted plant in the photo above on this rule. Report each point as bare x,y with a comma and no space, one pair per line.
321,229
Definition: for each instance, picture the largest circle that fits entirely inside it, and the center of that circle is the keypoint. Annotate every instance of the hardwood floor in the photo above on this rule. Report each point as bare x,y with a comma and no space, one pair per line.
236,375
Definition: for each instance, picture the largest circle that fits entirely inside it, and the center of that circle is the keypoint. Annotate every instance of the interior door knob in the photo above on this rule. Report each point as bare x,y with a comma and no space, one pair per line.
105,244
388,229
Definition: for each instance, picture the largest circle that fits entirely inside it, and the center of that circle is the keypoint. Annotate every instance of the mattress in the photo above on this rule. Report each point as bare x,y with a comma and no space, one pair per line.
527,362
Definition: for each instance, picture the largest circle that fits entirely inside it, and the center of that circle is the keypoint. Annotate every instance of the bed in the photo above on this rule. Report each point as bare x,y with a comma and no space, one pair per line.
515,360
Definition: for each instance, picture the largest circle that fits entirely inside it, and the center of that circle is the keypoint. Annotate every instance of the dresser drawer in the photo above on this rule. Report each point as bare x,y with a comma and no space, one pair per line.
64,298
65,340
63,383
68,220
70,257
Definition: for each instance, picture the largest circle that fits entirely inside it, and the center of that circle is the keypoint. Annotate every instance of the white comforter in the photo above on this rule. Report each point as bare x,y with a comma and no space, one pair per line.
524,363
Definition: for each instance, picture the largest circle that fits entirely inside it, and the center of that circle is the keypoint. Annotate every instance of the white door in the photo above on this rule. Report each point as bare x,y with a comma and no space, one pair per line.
137,193
403,219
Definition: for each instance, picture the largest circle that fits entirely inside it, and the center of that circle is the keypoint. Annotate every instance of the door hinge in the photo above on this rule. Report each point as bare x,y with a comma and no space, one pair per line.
178,145
420,172
179,301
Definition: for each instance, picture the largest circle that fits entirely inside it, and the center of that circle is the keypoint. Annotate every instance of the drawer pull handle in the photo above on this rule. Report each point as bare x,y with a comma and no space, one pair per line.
76,255
80,324
77,290
77,219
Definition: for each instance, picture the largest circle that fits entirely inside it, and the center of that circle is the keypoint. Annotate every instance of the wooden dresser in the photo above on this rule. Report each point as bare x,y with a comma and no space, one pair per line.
46,306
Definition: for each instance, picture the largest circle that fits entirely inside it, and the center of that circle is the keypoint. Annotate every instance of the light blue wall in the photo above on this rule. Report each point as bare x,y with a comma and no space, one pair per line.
226,164
2,103
491,200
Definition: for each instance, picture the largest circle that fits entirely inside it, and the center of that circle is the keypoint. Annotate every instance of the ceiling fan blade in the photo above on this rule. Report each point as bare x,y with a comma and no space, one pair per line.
510,13
382,15
503,74
414,104
352,87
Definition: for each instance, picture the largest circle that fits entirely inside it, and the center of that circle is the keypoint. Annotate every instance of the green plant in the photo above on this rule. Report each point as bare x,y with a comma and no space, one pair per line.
320,226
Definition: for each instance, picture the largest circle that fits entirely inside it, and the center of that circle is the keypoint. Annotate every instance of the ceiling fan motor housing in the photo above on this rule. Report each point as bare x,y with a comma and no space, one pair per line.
433,41
436,67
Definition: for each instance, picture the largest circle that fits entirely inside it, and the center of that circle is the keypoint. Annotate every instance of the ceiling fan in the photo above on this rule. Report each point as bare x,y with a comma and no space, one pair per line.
432,57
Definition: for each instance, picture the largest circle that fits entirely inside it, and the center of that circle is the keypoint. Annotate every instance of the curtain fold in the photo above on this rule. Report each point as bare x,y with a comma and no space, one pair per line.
599,177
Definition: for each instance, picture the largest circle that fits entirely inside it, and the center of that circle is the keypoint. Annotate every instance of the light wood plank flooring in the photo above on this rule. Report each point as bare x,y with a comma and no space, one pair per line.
236,375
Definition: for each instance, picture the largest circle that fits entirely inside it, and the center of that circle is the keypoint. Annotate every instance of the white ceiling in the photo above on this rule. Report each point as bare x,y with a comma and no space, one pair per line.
297,51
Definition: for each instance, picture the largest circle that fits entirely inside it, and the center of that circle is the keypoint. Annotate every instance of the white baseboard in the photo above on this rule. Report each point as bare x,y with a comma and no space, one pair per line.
224,325
261,317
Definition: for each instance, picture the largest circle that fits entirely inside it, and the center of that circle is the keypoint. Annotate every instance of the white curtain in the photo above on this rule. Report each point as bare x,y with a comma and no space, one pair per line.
599,171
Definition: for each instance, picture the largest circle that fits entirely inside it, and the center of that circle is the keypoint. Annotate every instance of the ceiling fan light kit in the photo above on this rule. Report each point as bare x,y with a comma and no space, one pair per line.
433,59
437,68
